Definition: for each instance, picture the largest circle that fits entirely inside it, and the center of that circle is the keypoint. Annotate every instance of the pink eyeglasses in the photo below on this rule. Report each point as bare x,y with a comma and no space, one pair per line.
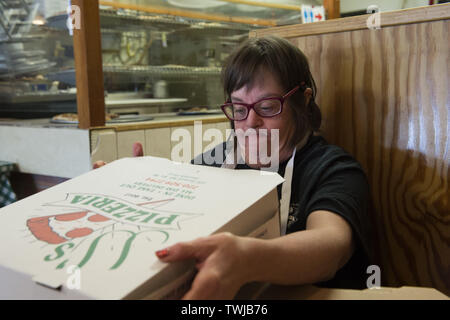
267,107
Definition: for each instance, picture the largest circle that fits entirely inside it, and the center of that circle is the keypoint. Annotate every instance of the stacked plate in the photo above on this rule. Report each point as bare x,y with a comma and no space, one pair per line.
16,23
15,61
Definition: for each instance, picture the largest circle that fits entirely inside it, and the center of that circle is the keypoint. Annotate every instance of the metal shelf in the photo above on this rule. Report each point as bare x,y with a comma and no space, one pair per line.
110,17
163,70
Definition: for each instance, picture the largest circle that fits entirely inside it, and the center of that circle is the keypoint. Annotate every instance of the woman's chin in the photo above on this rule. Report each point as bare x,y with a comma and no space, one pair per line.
256,162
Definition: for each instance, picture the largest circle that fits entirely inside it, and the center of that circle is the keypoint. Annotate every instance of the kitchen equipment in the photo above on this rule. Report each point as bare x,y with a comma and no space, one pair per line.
16,20
198,111
160,89
120,119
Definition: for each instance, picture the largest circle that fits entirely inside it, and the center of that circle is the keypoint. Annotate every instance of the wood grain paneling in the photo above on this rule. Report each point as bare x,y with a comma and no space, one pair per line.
332,8
384,95
388,18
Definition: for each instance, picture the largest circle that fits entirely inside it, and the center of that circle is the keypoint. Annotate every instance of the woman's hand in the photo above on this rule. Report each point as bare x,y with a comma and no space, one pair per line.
221,263
226,262
138,151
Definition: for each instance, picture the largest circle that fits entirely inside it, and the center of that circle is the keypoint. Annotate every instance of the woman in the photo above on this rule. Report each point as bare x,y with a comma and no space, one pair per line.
323,201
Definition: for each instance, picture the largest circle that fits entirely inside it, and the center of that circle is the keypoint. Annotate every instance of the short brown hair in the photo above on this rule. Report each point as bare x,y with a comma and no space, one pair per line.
290,67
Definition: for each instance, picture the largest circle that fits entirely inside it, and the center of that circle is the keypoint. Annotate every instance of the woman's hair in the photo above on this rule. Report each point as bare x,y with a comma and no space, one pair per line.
287,64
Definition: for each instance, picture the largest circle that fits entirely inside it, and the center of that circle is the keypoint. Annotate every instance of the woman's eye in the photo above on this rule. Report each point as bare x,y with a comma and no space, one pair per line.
268,105
239,110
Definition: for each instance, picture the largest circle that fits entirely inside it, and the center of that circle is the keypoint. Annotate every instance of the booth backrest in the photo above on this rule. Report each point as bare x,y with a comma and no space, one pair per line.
385,98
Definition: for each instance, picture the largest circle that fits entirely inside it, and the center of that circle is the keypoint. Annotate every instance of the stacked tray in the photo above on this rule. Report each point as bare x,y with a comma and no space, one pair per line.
16,20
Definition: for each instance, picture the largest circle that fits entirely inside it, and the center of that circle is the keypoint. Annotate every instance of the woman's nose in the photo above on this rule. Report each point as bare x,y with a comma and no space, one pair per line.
253,120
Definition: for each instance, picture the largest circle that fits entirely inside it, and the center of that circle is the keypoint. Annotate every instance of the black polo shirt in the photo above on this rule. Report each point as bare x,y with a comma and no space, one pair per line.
325,177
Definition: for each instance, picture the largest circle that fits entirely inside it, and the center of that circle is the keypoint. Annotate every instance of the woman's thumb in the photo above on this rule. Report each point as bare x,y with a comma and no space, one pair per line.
138,151
98,164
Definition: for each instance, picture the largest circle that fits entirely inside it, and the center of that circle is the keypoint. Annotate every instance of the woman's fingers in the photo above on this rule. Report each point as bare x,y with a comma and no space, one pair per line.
177,252
98,164
219,262
206,285
138,151
199,248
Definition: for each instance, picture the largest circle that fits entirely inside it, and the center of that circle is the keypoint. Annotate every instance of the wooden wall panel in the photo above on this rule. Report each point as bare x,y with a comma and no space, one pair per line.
88,66
384,95
332,8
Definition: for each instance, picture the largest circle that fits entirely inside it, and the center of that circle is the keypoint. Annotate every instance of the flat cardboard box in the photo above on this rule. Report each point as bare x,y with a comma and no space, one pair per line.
98,232
311,292
177,287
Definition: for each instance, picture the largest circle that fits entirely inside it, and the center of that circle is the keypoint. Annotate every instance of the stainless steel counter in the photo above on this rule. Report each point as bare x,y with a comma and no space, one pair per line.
158,118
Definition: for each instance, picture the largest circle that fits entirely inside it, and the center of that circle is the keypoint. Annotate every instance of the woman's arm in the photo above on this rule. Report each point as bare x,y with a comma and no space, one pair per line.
309,256
226,262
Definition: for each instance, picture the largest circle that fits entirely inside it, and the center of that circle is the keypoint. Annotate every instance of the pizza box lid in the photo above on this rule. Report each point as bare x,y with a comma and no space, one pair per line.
97,233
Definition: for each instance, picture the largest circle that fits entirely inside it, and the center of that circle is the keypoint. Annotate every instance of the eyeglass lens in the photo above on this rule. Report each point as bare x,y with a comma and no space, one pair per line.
265,108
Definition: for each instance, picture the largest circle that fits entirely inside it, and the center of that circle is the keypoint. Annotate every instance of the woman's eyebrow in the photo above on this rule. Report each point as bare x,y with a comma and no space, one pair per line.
236,99
268,95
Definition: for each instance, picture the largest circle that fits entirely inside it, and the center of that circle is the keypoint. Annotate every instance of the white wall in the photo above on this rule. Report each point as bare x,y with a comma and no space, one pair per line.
60,152
384,5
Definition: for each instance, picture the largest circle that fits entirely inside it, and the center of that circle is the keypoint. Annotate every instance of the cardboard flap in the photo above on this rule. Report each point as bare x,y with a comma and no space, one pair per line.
50,280
95,235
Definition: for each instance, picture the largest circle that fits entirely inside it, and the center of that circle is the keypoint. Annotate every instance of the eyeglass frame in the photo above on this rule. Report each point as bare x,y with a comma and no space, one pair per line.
250,106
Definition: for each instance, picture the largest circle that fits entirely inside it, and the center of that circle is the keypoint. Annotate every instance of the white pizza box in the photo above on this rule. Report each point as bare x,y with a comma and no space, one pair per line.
181,280
94,236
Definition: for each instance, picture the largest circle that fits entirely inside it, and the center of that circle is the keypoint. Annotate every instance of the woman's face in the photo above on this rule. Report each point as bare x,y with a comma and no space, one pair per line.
253,141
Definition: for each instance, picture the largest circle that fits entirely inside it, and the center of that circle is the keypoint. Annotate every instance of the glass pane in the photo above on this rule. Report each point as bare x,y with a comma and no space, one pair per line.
159,56
37,76
229,111
166,56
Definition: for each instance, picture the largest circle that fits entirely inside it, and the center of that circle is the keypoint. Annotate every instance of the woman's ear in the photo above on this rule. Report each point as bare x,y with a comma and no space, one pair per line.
308,93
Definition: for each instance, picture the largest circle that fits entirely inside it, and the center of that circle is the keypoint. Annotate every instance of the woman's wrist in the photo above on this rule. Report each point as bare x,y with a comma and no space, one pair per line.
251,259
